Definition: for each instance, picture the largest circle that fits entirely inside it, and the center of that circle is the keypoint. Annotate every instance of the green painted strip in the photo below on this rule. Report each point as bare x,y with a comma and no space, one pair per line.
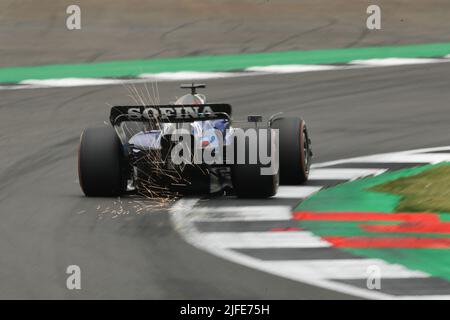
354,196
130,68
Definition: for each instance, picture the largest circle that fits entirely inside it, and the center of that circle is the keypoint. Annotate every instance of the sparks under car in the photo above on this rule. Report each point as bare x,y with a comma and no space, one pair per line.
137,152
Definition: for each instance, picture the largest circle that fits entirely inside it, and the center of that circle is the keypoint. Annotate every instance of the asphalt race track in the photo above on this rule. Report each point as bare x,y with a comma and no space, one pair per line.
47,224
34,32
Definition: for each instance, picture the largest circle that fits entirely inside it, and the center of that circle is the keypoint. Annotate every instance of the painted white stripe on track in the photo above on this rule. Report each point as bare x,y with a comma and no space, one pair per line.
342,174
401,156
187,75
388,62
269,239
181,219
72,82
407,158
242,213
342,269
293,68
296,192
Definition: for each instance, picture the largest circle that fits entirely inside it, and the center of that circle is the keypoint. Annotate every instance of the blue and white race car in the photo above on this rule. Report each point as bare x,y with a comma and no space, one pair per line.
191,146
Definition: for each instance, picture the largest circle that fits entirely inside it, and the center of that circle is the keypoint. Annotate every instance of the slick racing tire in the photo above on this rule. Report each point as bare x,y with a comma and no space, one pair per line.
247,180
100,158
294,150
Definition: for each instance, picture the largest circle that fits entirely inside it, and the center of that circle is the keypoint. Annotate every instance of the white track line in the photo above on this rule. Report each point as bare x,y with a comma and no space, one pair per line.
389,62
296,192
72,82
268,239
242,213
187,75
342,174
294,68
342,269
409,158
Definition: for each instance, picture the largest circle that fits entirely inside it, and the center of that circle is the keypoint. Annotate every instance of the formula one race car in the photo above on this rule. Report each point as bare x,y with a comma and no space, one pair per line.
191,147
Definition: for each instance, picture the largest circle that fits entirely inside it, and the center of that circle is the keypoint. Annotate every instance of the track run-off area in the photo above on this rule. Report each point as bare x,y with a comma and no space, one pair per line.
137,248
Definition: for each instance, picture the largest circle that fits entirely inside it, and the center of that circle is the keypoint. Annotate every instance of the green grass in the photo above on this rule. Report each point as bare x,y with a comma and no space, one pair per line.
428,191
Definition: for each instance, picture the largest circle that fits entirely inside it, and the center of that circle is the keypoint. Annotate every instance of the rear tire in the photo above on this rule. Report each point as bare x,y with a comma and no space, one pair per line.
100,158
294,150
248,182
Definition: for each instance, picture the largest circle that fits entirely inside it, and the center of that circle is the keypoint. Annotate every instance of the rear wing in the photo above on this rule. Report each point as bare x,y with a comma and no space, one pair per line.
170,113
